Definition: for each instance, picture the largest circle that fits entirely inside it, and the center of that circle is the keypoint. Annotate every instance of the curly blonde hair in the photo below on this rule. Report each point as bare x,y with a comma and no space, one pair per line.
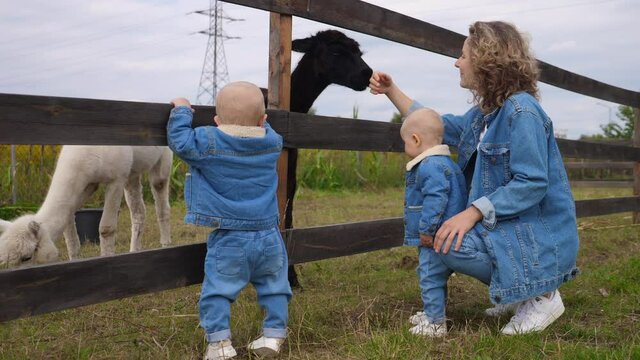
502,64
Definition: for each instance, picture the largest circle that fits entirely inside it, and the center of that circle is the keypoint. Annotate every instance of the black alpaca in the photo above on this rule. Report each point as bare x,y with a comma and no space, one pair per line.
330,57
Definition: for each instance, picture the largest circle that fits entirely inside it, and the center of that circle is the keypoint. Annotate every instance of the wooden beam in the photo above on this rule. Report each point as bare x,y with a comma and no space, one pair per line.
601,184
332,241
386,24
625,165
46,288
636,167
279,97
597,151
596,207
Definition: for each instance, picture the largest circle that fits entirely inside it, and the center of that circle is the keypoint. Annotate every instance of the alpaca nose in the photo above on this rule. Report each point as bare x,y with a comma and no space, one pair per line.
367,72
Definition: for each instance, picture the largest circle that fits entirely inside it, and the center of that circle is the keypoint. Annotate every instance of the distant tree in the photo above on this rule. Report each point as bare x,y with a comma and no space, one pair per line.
624,130
396,118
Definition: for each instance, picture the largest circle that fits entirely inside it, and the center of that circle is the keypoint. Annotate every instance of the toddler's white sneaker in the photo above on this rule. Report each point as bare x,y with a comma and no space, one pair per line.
426,328
266,346
417,318
220,350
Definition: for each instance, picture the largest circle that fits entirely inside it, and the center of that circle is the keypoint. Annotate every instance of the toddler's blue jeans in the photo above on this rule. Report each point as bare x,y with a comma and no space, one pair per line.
434,270
234,259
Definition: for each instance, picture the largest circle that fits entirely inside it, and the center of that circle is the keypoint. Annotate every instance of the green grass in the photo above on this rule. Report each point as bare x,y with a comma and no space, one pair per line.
357,307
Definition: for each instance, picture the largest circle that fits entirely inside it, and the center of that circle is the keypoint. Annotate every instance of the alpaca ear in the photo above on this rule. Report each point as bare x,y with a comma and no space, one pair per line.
4,225
34,227
302,45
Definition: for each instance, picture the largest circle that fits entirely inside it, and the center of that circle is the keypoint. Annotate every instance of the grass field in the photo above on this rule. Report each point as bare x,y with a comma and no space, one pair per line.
357,307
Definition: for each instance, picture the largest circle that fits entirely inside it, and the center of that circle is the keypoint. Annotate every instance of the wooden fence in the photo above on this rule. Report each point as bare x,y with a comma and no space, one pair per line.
54,120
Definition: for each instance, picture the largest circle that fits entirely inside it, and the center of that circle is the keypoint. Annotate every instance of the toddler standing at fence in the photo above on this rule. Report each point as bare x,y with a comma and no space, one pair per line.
231,187
435,191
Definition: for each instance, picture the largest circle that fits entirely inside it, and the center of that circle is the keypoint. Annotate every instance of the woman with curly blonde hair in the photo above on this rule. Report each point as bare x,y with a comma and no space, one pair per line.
518,233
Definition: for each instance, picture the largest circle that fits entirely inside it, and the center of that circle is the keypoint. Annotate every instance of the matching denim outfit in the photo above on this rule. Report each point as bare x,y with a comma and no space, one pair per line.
231,187
528,234
435,190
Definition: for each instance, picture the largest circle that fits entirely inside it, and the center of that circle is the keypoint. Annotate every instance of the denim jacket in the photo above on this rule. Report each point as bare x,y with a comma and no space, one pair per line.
434,192
232,180
520,186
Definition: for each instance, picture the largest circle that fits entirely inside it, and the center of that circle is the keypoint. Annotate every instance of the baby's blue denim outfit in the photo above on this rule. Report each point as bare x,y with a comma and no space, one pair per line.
528,232
231,187
435,190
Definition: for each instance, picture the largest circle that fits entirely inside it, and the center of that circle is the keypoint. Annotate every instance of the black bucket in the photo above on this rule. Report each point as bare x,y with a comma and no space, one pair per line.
87,224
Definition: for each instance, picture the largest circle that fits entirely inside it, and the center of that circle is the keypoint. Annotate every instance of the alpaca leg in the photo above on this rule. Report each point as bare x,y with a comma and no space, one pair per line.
135,201
159,180
71,232
109,221
71,239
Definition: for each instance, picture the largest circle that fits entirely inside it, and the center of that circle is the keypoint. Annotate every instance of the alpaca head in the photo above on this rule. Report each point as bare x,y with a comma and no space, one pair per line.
25,242
337,59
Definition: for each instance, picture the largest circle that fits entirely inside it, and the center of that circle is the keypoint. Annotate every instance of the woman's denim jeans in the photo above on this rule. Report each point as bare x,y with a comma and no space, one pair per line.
434,270
234,259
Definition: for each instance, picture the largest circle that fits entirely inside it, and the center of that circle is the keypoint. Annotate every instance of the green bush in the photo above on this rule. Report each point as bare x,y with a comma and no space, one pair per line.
12,212
338,170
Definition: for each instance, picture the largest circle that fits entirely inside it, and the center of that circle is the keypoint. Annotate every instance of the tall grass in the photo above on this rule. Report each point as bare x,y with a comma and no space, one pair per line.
339,170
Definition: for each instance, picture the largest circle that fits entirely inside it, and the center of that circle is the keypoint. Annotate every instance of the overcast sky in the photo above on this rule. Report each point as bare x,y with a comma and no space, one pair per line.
151,51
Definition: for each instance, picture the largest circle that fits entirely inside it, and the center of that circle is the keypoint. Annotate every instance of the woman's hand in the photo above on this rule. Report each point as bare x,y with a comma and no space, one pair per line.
457,225
380,83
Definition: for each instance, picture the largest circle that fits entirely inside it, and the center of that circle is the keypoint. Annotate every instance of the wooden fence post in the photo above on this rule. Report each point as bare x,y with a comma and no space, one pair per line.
636,167
279,92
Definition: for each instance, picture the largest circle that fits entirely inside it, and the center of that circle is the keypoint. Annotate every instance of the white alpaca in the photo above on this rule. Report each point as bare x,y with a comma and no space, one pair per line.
80,169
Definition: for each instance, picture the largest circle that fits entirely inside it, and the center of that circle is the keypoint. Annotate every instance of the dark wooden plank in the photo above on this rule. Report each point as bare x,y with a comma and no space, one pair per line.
625,165
46,288
597,151
596,207
636,166
377,21
321,132
26,119
42,289
279,97
601,184
567,80
332,241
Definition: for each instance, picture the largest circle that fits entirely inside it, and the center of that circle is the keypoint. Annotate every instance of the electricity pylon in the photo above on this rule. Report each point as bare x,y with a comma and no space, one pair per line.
214,69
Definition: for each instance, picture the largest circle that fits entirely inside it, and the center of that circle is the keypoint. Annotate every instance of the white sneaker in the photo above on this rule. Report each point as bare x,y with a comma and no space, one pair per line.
501,310
417,318
425,328
266,346
535,314
220,350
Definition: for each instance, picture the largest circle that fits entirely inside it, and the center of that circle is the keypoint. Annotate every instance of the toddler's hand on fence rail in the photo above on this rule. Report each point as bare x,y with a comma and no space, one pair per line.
180,101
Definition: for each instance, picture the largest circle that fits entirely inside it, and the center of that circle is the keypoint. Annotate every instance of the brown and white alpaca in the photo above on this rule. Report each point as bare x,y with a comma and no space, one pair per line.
79,171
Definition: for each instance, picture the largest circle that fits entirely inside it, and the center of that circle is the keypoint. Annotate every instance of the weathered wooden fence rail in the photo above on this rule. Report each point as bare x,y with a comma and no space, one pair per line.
54,120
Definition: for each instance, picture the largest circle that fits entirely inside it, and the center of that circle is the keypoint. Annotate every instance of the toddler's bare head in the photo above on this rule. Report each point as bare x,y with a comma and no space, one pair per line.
240,103
421,130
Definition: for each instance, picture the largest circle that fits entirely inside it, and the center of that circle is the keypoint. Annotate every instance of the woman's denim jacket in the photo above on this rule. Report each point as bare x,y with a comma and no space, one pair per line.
434,191
521,187
232,180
